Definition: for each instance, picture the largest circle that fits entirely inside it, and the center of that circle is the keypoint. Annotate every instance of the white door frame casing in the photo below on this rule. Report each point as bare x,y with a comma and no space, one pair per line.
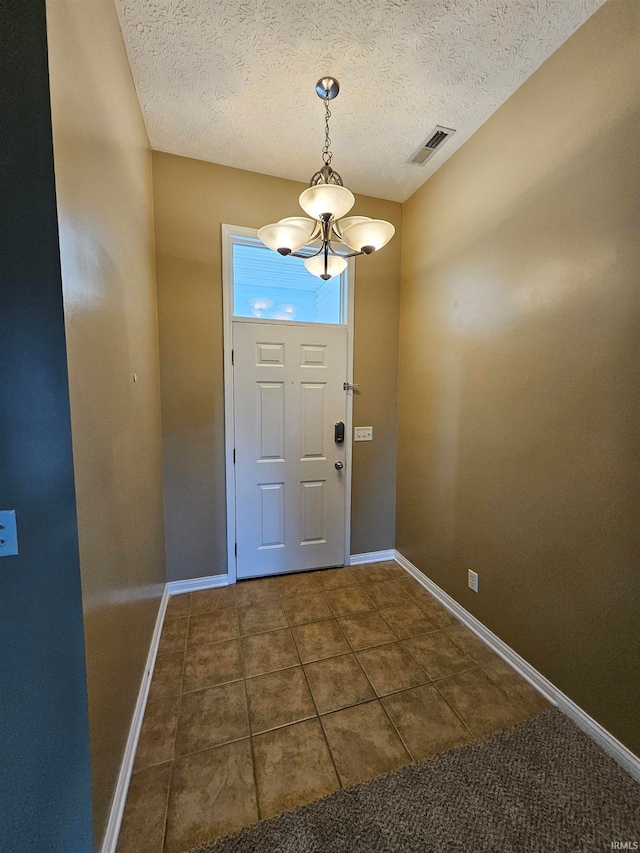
237,234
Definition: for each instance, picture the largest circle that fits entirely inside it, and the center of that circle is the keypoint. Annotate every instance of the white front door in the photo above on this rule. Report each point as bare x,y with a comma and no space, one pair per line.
288,397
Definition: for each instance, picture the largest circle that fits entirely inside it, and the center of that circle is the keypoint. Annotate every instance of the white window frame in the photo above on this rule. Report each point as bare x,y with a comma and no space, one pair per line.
232,234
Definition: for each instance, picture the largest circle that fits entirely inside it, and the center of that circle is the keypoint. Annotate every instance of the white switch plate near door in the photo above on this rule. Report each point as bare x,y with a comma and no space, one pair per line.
363,434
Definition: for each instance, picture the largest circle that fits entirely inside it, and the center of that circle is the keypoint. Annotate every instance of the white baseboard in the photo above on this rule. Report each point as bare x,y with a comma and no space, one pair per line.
372,557
611,745
195,584
110,840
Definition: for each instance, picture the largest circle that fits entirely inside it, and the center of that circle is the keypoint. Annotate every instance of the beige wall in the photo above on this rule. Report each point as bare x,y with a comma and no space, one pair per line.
192,200
103,181
519,426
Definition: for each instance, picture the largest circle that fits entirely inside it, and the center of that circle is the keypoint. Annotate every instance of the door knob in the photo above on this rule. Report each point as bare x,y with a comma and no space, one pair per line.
339,465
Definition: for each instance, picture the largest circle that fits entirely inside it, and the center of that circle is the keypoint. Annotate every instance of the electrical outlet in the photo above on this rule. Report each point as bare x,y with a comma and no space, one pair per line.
8,533
473,580
363,434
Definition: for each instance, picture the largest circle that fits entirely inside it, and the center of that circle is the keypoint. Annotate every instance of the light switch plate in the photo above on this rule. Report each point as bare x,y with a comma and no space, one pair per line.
8,533
363,434
472,580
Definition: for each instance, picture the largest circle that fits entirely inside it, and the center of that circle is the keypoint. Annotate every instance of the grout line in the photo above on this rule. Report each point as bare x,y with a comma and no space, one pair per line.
304,672
440,693
152,764
458,672
389,626
430,681
414,657
474,665
433,681
319,718
210,748
209,610
517,702
375,694
396,729
250,729
175,734
166,805
211,686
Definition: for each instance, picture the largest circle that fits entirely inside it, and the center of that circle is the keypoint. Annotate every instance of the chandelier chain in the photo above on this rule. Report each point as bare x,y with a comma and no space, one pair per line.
327,156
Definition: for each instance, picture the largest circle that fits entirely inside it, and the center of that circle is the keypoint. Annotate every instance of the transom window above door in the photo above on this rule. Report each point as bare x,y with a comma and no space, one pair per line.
267,286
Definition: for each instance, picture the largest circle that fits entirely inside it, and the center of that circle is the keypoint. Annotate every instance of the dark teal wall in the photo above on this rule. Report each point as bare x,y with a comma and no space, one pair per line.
44,754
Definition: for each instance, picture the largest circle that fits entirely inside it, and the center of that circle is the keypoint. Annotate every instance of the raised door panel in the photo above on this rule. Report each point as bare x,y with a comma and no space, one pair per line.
313,355
272,515
311,513
269,354
312,424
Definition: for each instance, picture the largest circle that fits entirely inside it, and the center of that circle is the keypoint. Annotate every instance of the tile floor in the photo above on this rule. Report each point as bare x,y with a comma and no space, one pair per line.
275,692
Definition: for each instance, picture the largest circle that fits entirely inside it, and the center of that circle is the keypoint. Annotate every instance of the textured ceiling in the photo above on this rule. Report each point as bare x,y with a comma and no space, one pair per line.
232,81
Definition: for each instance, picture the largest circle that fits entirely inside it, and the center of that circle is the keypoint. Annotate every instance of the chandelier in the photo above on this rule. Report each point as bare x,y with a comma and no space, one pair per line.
327,201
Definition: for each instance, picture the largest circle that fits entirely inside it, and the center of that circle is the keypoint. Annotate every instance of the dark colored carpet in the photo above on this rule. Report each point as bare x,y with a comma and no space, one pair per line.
540,787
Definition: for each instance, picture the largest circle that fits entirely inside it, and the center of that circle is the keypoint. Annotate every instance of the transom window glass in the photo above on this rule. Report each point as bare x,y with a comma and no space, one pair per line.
268,286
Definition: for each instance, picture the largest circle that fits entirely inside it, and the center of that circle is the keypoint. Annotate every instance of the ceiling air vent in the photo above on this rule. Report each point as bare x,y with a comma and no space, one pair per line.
435,141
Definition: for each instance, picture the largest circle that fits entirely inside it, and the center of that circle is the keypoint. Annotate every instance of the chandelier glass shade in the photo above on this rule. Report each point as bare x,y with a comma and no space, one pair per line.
311,226
360,236
327,202
334,265
283,237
